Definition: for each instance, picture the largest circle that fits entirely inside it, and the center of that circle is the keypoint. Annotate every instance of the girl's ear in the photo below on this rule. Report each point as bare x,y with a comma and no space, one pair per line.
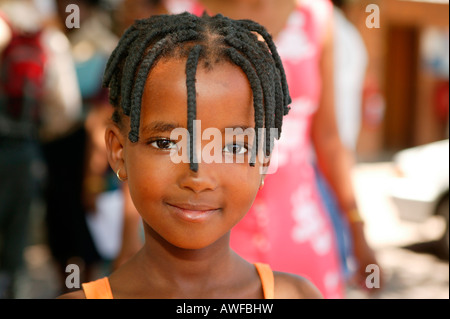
265,163
264,168
115,142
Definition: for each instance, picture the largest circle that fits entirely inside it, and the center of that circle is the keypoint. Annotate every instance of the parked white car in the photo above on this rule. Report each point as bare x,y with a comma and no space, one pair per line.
421,189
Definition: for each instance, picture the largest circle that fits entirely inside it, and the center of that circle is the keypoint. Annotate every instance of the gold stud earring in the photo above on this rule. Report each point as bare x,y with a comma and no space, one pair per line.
118,176
262,185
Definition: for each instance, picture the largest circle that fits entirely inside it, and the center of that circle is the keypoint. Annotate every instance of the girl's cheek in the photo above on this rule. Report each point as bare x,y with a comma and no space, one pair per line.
244,179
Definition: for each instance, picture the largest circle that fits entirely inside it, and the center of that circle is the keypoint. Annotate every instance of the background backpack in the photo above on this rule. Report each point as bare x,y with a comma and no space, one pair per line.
22,84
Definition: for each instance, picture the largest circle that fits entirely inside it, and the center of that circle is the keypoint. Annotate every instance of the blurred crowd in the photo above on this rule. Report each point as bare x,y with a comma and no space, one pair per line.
53,111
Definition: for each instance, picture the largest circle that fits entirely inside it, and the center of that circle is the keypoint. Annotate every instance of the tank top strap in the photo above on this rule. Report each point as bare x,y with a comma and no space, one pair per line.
98,289
267,280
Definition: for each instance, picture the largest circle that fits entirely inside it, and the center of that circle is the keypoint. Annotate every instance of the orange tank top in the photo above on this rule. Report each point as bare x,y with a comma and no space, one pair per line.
100,289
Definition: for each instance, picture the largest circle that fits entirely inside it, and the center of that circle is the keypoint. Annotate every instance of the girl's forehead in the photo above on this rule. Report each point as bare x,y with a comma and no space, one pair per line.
211,79
222,91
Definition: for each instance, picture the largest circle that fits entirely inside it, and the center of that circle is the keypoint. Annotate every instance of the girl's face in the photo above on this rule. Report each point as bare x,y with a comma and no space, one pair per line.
190,209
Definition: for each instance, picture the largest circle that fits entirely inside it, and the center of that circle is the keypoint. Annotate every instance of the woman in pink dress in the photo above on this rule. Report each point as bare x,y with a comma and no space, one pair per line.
288,226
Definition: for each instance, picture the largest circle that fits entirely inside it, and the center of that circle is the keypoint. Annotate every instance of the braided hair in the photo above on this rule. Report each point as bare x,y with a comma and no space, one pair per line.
203,39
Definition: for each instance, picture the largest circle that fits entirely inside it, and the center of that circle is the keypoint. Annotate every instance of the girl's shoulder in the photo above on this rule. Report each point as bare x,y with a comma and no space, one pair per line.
290,286
79,294
286,286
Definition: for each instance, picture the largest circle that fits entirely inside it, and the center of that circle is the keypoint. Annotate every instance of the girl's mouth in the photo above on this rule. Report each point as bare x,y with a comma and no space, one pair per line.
196,213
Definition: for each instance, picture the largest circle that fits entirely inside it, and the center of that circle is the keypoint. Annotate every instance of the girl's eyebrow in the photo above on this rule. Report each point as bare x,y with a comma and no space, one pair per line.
167,127
238,128
160,127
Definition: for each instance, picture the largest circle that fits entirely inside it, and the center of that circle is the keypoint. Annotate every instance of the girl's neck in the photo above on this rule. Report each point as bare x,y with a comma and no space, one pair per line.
186,262
161,270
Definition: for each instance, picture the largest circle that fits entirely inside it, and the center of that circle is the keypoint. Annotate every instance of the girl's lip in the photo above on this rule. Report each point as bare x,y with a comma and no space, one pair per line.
193,213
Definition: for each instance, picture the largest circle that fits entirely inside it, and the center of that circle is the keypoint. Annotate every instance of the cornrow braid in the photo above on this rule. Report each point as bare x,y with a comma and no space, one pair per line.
138,90
264,73
132,63
253,26
256,86
135,112
198,39
191,71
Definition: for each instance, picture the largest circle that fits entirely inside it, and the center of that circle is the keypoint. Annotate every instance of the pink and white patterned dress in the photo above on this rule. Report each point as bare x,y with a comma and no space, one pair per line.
288,226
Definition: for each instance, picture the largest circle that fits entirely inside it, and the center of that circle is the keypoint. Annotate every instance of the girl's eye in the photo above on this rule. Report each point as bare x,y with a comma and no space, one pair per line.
235,149
164,144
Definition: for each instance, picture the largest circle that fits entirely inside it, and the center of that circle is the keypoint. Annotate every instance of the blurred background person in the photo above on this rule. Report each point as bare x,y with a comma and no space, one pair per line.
5,33
109,223
37,101
131,236
289,222
127,11
350,66
350,61
77,167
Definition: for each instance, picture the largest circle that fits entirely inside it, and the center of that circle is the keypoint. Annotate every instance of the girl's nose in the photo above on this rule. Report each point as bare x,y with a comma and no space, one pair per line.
199,181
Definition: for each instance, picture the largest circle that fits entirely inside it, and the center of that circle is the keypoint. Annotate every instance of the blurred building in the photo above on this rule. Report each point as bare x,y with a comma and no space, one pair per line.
406,97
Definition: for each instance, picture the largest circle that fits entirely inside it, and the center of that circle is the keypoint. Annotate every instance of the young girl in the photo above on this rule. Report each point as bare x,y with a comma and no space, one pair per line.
289,221
166,72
